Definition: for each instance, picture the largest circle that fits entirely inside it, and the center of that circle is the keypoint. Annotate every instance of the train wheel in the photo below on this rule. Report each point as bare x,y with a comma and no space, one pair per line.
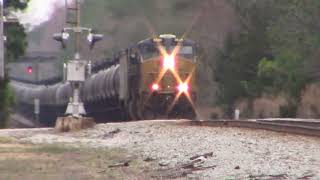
190,114
132,110
183,113
173,115
139,112
147,113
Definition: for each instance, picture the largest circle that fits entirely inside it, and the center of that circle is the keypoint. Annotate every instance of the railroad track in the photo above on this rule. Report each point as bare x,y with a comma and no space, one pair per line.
308,128
293,122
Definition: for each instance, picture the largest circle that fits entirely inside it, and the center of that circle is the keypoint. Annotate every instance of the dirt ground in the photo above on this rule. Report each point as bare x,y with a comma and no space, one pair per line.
160,149
46,162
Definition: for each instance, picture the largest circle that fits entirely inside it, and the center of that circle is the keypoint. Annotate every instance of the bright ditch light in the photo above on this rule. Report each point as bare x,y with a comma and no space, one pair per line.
155,87
183,88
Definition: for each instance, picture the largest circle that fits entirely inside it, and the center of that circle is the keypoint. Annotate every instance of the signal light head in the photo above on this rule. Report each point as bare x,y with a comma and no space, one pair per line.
155,87
169,62
62,37
93,38
29,70
183,87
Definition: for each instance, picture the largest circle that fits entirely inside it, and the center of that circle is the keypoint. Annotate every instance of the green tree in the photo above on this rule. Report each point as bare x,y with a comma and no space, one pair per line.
16,42
16,37
237,65
16,4
275,53
15,47
285,73
6,101
295,32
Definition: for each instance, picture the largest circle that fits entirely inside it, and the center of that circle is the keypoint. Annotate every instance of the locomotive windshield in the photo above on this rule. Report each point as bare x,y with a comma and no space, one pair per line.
184,51
151,50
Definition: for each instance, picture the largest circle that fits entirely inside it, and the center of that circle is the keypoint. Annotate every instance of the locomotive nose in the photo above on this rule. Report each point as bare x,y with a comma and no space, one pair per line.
169,98
168,82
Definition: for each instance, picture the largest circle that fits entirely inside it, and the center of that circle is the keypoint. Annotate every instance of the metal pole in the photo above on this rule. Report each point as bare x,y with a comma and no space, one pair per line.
78,32
37,111
76,107
76,94
2,69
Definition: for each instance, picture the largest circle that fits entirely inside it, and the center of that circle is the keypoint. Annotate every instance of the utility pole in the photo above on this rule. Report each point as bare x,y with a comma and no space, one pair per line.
3,20
2,69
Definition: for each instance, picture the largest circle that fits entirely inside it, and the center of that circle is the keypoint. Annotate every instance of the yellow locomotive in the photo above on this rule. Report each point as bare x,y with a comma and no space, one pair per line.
161,78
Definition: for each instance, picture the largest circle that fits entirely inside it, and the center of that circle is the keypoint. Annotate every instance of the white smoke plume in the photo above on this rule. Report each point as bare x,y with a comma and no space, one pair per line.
38,12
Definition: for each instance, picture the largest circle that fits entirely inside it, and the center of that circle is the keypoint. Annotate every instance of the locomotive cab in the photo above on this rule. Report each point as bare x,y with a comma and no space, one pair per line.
166,77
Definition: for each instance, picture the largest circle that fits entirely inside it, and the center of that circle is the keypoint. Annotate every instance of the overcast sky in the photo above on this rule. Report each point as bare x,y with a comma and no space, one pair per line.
38,12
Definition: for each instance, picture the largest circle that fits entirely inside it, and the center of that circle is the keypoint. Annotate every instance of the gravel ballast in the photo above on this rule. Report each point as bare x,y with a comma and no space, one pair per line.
237,153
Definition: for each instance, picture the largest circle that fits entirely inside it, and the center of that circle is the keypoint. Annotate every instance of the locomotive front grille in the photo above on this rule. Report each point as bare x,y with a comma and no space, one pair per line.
168,82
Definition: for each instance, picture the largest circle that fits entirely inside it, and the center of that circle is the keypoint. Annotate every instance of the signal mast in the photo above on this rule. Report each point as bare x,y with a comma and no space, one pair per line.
77,69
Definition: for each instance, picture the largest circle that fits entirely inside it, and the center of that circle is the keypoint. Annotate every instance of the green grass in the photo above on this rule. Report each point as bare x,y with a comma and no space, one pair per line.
6,140
53,149
59,161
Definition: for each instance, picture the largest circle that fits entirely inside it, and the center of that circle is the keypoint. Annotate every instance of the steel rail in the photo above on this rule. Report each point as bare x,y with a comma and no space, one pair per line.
295,122
294,128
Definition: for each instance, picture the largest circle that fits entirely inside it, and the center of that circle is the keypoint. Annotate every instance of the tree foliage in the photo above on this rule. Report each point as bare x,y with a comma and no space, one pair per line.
16,4
276,51
15,46
6,101
16,37
16,42
237,67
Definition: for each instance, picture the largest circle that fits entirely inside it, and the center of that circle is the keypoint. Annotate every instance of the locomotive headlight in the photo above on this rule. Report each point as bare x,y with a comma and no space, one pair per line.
183,87
169,62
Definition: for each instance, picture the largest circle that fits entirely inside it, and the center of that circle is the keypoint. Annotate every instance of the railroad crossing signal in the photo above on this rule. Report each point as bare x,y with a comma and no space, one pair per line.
63,37
76,68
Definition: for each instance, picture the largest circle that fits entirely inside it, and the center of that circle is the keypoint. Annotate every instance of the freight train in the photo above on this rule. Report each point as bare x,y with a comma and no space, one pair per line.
153,79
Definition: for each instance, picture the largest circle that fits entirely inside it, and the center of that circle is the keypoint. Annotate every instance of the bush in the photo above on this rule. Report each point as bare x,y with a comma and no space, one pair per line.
288,111
310,102
6,102
285,73
268,106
